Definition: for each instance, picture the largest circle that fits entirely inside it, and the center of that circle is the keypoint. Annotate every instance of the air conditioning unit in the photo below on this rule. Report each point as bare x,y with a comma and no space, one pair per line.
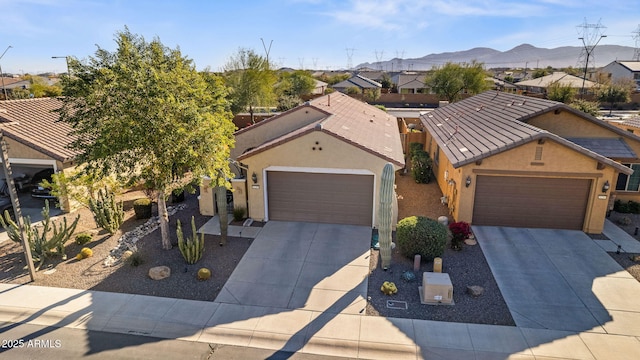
436,289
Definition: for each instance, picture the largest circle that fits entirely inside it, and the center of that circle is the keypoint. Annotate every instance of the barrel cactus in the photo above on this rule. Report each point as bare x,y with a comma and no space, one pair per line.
204,274
385,214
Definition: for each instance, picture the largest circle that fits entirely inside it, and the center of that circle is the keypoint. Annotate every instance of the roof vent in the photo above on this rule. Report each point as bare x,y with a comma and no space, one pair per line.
319,127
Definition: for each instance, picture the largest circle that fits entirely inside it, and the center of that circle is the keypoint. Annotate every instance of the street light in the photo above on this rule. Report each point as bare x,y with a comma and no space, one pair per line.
4,90
66,58
588,50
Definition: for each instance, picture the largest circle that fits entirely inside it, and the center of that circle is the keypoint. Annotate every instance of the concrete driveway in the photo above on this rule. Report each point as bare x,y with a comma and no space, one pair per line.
295,265
561,280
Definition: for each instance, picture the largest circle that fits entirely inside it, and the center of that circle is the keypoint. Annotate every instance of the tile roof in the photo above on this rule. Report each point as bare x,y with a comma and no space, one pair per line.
410,80
559,77
609,147
632,122
350,120
631,65
358,81
33,123
492,122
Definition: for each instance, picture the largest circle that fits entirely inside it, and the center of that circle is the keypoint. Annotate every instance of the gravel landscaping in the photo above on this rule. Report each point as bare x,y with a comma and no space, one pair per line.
467,267
628,223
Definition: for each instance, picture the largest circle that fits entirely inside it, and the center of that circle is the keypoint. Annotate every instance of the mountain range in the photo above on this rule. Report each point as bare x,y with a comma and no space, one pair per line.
521,56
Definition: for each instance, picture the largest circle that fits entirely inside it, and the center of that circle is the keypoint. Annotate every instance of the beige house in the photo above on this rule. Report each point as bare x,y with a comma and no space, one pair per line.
509,160
35,139
319,162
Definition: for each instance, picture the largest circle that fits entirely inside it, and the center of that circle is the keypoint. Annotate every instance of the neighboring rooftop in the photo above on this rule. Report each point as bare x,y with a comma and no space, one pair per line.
631,65
559,77
358,81
350,120
33,123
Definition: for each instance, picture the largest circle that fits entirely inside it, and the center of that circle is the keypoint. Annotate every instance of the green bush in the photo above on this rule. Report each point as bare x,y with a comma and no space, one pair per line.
628,207
83,238
415,147
238,213
421,235
142,208
421,165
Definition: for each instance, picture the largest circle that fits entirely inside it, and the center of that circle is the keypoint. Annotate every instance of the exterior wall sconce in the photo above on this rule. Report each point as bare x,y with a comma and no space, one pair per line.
467,182
254,178
606,186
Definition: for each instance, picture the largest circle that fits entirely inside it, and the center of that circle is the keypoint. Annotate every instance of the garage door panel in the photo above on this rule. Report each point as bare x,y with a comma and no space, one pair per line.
316,197
531,202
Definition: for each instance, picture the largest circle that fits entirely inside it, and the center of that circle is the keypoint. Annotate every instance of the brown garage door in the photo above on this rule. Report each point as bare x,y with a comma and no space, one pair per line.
531,202
325,198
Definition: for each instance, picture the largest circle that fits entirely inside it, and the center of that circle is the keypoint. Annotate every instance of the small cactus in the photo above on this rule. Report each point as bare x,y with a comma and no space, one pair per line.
86,252
192,248
83,238
204,274
107,212
388,288
79,256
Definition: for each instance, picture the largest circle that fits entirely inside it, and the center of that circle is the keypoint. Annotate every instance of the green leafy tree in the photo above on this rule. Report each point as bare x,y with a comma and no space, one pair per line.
145,115
538,73
451,80
334,79
589,107
614,93
561,93
297,83
372,95
386,82
251,81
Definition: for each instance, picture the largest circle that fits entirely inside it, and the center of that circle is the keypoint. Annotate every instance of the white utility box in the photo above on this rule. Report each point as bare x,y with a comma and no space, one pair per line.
436,289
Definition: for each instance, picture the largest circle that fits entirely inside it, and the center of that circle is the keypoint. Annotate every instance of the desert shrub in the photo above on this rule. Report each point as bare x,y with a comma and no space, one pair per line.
415,147
421,235
625,220
421,166
626,207
460,230
238,213
142,208
83,238
135,259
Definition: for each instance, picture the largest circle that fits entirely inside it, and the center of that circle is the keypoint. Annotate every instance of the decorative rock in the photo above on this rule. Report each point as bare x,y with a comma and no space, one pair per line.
159,272
443,220
475,290
128,241
470,241
127,254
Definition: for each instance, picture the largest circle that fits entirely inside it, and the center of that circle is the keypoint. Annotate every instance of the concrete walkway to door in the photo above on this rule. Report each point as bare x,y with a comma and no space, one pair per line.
309,266
561,280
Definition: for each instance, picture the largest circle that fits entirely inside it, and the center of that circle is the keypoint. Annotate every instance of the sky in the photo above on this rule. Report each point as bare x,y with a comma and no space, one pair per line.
303,34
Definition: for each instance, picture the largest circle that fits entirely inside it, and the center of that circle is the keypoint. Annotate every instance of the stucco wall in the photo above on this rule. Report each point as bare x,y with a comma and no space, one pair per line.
565,124
268,129
557,161
335,154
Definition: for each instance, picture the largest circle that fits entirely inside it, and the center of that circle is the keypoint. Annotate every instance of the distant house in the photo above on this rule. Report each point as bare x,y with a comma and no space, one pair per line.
358,81
540,85
511,160
410,82
320,87
501,85
619,70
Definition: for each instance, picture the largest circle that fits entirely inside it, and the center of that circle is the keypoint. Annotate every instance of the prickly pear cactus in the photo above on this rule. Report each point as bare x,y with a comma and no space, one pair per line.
385,214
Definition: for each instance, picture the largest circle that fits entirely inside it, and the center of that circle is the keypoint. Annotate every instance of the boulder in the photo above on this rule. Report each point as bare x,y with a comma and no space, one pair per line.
159,272
475,290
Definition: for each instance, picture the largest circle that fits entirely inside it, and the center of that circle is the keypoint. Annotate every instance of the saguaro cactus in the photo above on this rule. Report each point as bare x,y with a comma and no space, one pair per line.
385,214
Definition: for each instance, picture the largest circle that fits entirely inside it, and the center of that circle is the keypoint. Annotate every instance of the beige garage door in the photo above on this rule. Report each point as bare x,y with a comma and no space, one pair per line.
325,198
531,202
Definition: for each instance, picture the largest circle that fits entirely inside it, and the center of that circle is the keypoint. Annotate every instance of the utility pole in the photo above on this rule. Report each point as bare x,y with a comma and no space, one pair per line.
66,58
13,194
4,89
591,36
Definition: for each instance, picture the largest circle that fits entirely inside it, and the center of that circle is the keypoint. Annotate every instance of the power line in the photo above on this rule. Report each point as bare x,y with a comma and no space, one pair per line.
636,51
350,57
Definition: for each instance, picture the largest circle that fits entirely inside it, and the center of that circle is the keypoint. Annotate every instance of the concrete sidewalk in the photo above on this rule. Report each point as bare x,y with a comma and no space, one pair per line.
305,331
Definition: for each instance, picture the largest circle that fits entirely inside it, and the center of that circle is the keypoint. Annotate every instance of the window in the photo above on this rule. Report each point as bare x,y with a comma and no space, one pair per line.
629,182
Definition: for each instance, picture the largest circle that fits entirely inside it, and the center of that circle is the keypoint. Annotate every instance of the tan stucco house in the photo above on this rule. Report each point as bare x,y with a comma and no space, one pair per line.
509,160
35,138
318,162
